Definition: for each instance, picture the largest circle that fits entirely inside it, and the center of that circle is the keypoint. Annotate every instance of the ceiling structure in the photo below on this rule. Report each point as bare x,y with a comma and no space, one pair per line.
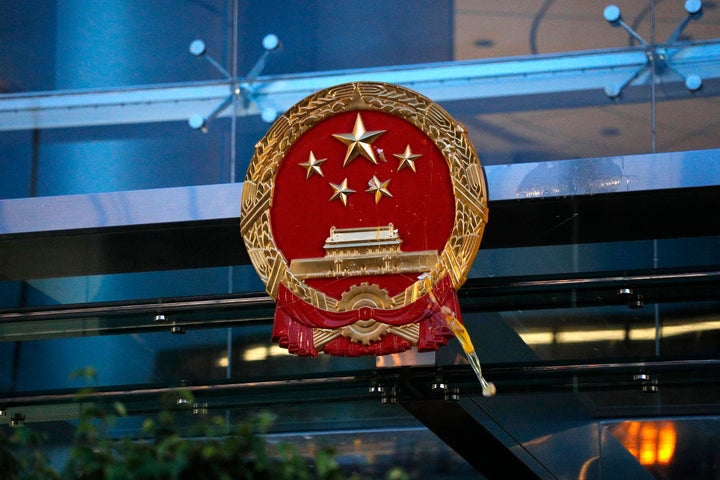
596,125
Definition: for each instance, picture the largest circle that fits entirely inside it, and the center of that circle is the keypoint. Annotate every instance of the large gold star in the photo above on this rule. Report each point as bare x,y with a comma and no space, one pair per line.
313,165
341,191
378,188
359,142
407,158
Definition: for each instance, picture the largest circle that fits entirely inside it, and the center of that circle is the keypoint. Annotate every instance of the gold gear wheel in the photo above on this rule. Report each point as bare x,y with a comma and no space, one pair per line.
364,295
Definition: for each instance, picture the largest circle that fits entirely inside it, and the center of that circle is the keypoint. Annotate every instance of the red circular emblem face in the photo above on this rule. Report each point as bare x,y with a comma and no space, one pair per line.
363,202
366,170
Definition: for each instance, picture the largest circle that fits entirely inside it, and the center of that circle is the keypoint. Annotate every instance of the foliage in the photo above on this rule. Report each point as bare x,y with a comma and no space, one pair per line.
208,449
208,452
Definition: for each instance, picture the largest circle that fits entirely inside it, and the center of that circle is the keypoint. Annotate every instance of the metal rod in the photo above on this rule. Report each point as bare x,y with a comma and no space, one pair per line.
73,396
653,79
234,49
255,300
535,371
259,300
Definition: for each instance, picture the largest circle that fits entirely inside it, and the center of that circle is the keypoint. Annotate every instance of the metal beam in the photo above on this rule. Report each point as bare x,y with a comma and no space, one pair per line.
215,311
442,82
552,180
494,456
203,244
126,209
198,226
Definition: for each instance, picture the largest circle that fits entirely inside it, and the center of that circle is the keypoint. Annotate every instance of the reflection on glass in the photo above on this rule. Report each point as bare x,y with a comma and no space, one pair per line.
563,130
263,352
128,286
374,453
651,442
689,329
503,28
576,178
610,335
687,122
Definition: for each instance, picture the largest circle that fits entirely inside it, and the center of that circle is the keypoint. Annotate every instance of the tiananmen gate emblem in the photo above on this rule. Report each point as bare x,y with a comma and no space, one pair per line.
362,211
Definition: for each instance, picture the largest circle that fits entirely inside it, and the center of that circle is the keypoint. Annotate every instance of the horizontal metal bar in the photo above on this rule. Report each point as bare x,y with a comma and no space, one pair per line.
583,375
221,202
196,203
72,396
590,176
135,317
571,282
442,82
149,309
494,294
198,227
531,222
604,289
81,108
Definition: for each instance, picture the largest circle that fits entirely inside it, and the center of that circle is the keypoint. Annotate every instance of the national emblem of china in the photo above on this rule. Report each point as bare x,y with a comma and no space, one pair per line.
362,211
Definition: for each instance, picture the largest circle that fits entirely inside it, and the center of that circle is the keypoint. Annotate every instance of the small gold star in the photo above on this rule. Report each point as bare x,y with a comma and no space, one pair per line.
359,142
378,188
407,158
341,191
313,165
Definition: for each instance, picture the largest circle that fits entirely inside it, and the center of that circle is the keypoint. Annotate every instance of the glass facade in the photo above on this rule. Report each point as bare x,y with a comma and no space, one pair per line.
126,129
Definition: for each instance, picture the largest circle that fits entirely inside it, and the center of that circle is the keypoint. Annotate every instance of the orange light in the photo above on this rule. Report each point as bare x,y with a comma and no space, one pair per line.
652,443
648,445
666,443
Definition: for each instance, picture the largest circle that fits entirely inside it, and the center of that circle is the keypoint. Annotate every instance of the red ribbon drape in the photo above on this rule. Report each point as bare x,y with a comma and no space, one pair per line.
295,320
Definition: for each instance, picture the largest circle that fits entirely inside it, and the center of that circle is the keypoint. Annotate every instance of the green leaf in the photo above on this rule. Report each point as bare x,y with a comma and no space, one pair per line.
397,473
148,426
120,409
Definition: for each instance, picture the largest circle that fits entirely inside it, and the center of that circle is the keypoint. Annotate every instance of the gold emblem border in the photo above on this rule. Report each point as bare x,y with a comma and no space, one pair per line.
468,181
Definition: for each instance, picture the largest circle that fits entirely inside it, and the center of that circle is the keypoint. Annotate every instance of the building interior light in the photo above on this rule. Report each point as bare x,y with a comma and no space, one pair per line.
580,336
263,352
617,334
651,442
